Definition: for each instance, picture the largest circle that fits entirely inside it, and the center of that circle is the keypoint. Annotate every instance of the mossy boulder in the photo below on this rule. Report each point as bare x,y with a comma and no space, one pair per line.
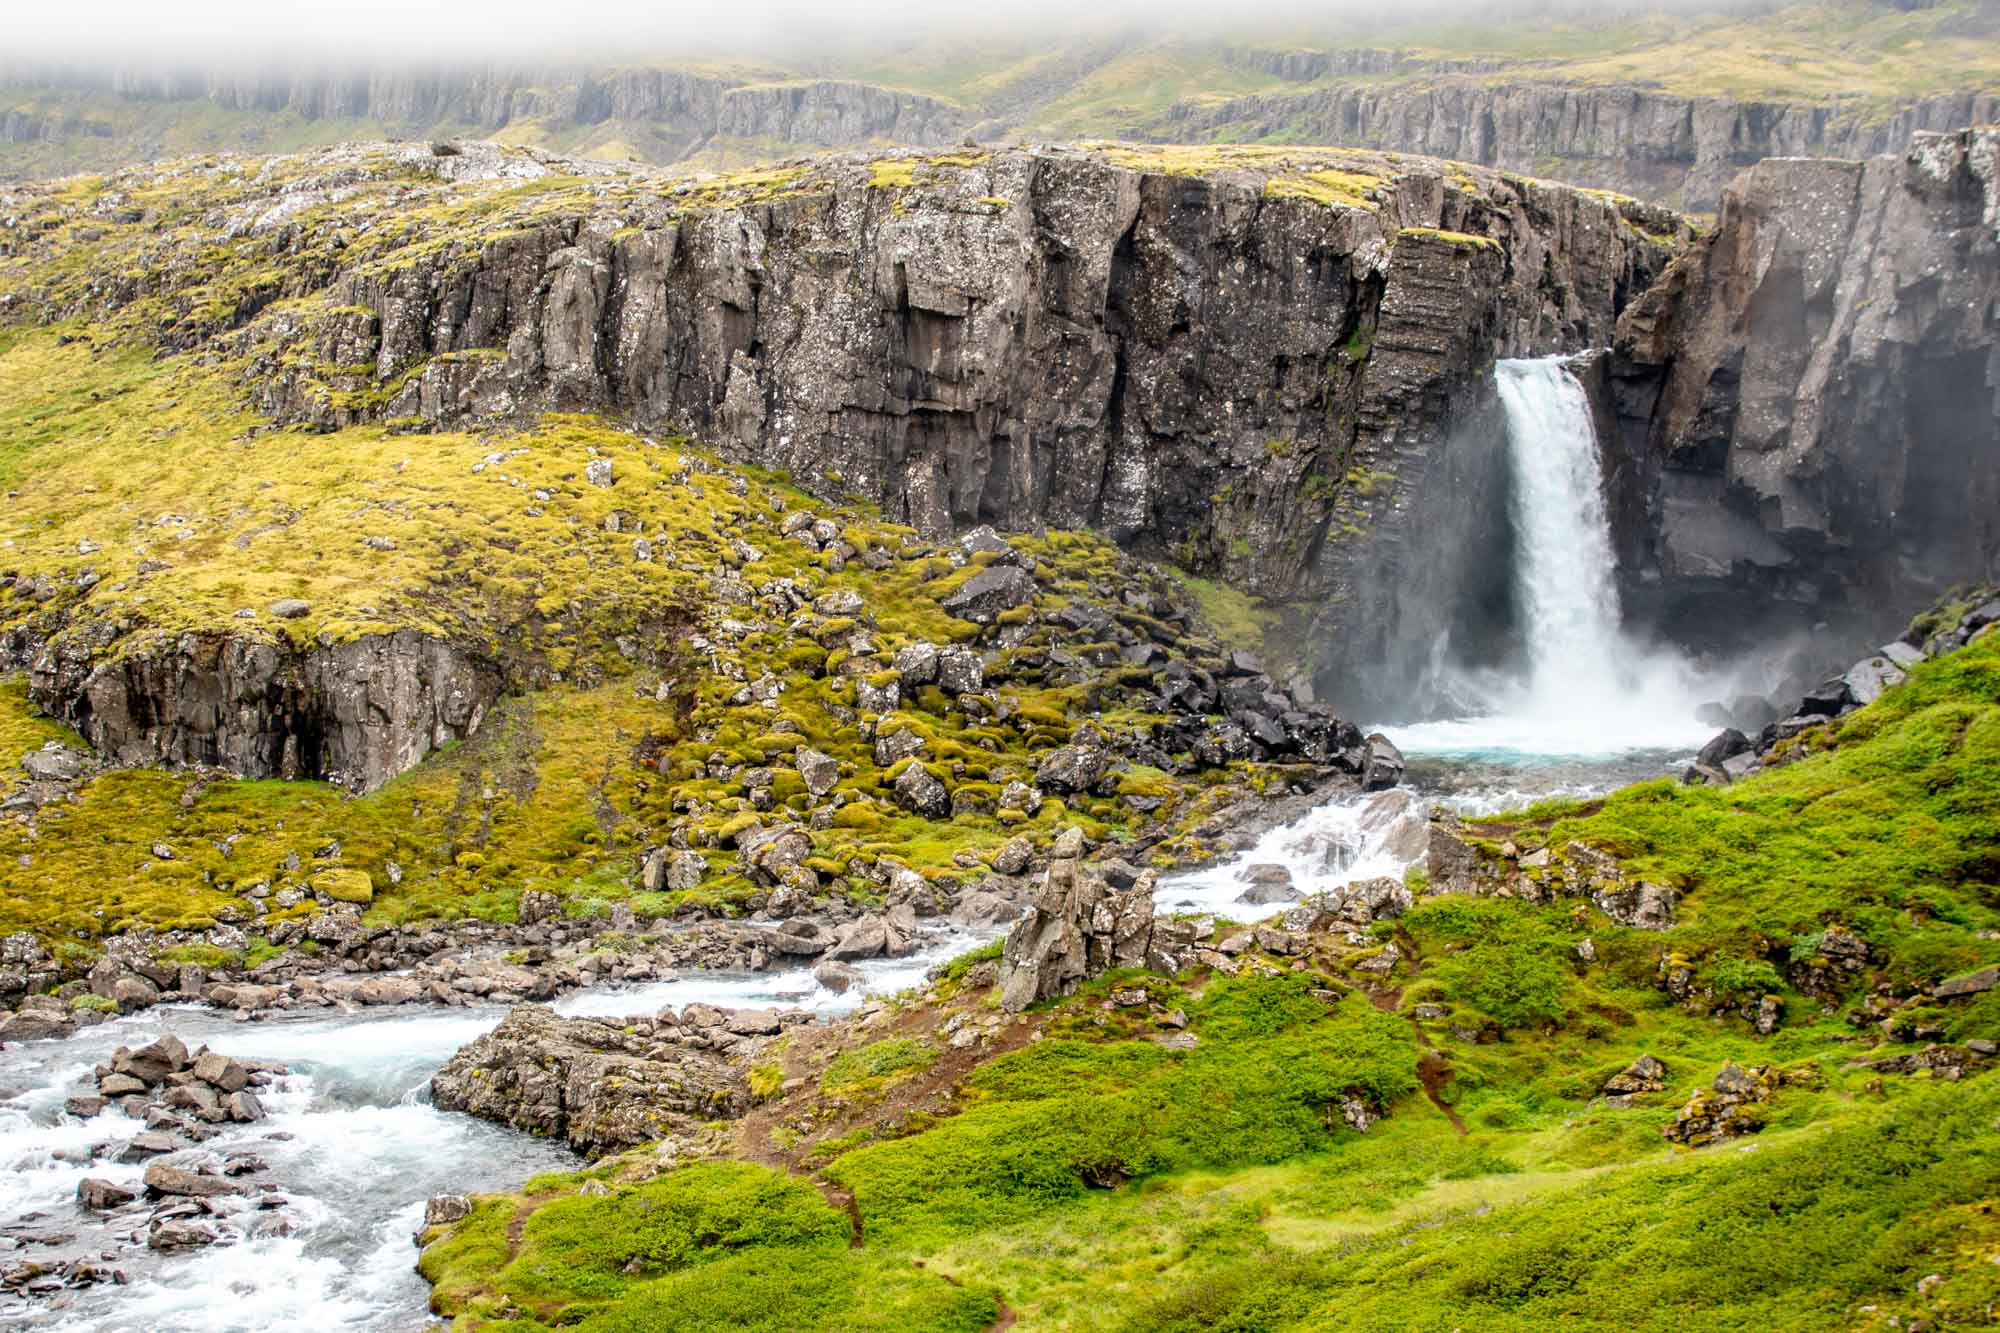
345,886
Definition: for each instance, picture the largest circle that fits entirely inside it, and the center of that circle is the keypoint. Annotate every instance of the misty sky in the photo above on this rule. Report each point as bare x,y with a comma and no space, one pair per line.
216,31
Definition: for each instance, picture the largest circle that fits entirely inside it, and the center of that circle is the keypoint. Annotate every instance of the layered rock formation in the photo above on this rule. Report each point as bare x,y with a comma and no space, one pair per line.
680,109
1809,404
354,713
1678,150
1233,364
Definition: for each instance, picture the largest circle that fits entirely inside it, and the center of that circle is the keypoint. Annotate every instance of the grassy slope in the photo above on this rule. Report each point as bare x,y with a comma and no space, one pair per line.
1091,1180
155,460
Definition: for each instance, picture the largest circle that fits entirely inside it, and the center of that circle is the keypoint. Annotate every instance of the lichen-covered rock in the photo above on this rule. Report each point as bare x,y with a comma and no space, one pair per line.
599,1086
1078,927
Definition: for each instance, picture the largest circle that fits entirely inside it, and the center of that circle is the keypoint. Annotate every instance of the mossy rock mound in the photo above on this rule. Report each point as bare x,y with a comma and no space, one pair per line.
345,886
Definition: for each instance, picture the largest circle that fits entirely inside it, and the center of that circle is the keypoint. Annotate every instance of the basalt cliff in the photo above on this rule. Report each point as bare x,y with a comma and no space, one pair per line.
1266,365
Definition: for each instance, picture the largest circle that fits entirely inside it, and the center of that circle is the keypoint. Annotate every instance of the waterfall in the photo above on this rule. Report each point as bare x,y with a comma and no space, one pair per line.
1564,576
1581,685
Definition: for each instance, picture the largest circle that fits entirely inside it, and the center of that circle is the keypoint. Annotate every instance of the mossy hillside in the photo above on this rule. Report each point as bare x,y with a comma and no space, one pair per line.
147,505
22,730
1889,827
1093,1178
715,1246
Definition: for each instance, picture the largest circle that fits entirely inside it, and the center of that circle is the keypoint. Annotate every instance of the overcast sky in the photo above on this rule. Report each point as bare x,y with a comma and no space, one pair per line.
445,30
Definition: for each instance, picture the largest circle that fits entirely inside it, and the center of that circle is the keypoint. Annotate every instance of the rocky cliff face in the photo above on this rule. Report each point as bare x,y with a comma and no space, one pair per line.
1214,365
1679,150
681,109
1809,403
355,713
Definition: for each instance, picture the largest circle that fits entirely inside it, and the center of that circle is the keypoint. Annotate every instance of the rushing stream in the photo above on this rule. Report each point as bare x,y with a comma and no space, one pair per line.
1591,710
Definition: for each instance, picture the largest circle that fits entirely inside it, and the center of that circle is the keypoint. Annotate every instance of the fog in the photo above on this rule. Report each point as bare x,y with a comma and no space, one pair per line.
317,32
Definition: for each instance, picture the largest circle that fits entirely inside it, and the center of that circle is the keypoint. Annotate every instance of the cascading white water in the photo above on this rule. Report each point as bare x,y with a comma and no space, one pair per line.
1584,687
1564,573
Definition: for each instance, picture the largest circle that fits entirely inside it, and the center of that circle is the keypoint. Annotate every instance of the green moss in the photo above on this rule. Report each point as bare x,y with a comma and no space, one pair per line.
877,1063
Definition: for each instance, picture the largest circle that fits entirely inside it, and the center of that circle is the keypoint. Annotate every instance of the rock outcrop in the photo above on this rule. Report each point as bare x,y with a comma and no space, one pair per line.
1079,927
602,1085
355,713
1243,365
672,111
1808,399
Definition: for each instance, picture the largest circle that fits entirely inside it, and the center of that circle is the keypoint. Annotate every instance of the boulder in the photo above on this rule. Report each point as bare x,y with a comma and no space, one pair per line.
917,663
922,794
1013,856
164,1178
767,855
993,590
686,870
599,1086
153,1062
819,772
389,990
55,762
221,1072
959,671
178,1234
838,977
444,1209
1384,766
102,1196
536,906
1867,679
1073,768
1726,745
1269,884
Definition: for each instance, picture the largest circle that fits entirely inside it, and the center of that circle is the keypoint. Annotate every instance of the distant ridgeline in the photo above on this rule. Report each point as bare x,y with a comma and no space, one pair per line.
1663,107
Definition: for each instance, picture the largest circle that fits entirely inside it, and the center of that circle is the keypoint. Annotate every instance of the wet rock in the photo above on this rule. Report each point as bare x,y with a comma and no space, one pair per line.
153,1062
1726,745
1268,884
178,1235
1384,766
163,1178
221,1072
101,1195
389,990
838,977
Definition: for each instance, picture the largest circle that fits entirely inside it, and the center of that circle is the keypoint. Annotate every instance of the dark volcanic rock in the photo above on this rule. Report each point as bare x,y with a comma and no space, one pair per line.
356,713
1804,402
